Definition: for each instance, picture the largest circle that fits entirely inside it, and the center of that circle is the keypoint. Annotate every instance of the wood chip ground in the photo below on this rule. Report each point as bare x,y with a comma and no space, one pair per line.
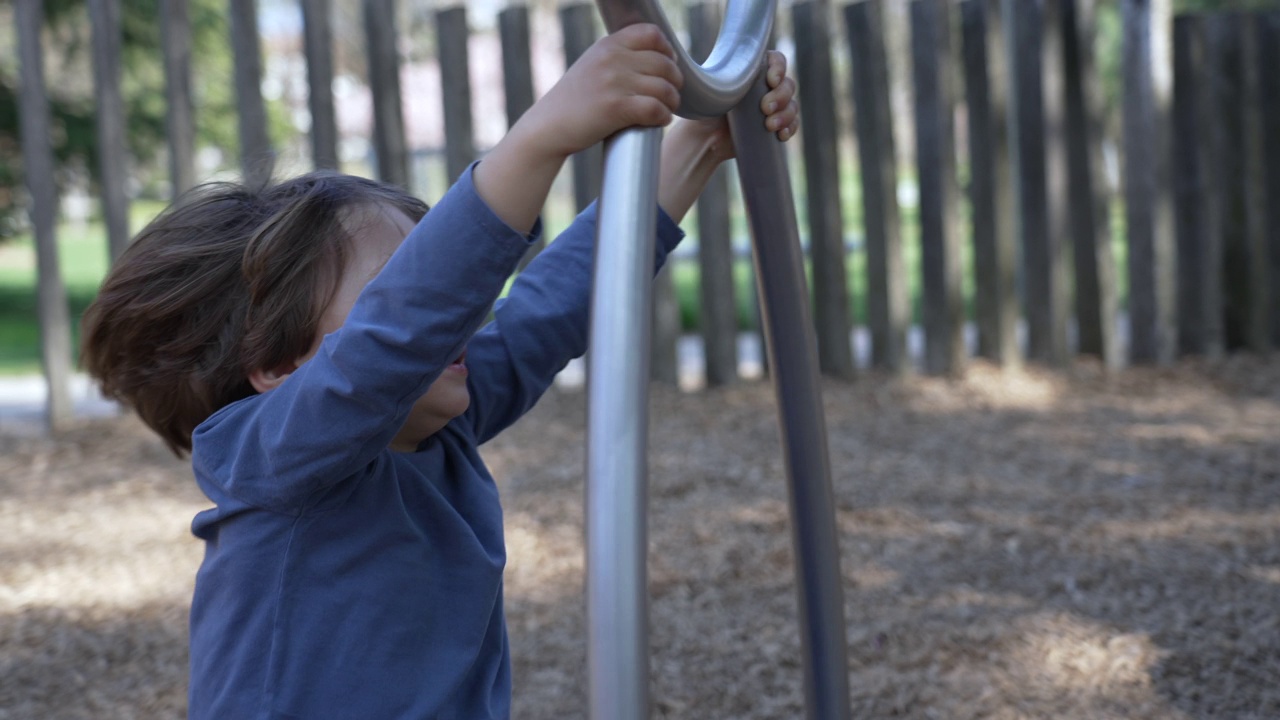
1014,544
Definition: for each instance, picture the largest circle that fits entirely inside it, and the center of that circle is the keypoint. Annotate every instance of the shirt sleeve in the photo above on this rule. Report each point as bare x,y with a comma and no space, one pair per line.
338,410
541,325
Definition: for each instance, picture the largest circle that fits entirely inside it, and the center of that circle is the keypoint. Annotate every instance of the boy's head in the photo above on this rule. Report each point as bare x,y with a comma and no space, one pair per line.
228,286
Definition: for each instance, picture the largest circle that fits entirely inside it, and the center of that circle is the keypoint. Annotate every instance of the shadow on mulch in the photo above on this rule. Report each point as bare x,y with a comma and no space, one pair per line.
1014,544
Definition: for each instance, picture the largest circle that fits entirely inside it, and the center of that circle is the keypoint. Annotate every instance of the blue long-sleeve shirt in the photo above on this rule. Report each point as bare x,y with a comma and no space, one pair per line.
342,579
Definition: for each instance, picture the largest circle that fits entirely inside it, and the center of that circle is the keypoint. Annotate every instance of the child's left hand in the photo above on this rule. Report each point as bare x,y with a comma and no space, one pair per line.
693,149
779,106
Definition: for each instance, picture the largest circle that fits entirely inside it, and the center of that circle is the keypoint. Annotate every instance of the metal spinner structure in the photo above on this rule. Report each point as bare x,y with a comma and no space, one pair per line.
730,81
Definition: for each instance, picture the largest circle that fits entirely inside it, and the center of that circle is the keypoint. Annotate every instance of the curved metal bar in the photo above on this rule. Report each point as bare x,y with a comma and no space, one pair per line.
618,415
618,429
714,87
793,351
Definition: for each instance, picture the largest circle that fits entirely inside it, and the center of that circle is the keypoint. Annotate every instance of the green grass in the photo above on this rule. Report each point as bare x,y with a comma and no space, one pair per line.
82,261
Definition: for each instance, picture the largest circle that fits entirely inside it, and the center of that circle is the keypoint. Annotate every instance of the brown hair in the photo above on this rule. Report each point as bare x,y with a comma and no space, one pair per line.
228,280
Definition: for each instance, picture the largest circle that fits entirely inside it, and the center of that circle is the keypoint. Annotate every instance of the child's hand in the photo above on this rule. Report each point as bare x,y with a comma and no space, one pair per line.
625,79
693,149
779,106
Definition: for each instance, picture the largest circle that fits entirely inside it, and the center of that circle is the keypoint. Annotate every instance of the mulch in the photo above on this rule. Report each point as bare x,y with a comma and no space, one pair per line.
1015,544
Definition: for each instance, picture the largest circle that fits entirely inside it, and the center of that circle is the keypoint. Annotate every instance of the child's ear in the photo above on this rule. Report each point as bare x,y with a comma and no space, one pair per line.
264,380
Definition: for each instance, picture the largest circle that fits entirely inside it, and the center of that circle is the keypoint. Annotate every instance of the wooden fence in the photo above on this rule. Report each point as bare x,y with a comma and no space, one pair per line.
1200,152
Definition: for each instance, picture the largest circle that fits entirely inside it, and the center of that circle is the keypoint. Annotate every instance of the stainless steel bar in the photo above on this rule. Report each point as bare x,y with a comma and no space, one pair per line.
618,428
792,348
617,538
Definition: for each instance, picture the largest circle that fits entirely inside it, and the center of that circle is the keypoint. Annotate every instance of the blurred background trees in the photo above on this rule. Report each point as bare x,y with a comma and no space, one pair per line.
69,77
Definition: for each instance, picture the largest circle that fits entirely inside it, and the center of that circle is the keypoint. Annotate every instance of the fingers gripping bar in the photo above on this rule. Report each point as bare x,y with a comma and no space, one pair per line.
731,81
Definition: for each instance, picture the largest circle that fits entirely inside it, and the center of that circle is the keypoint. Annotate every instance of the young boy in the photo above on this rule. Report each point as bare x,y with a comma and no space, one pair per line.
316,346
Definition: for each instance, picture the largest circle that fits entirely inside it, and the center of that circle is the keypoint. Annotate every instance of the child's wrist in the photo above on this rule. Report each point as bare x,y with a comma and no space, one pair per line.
540,138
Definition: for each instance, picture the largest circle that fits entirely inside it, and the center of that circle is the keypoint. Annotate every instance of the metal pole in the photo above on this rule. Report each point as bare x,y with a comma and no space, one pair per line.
618,429
617,541
792,347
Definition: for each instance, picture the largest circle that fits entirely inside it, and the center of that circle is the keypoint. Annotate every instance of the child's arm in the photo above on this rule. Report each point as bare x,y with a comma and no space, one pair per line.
625,79
332,414
542,324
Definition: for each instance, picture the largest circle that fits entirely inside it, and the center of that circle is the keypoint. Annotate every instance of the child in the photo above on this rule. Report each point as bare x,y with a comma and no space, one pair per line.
316,346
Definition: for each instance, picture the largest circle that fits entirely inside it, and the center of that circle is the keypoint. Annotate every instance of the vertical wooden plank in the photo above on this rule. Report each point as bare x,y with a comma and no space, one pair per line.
517,64
718,308
1225,38
1006,262
256,157
812,29
109,115
180,123
1028,139
1257,330
1212,77
990,188
577,22
517,79
1162,93
1087,193
1139,177
1268,28
1056,249
935,154
888,302
664,360
1150,333
37,163
1190,186
317,41
451,43
381,43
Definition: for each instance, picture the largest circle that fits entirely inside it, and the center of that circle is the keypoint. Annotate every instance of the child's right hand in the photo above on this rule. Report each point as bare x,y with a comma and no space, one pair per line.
624,79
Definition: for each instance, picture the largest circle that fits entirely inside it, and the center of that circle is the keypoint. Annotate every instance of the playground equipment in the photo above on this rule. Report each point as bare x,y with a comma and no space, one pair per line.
731,81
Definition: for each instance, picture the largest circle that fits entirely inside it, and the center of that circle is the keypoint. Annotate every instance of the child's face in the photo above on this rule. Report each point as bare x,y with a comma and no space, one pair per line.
377,233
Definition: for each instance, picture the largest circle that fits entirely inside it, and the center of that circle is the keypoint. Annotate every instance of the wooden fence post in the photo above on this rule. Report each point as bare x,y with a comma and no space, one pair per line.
577,22
452,34
943,309
180,123
256,158
317,38
517,65
888,300
109,115
718,310
37,163
1088,198
1257,331
1150,331
1056,250
1191,165
1029,138
664,358
517,79
1224,36
381,41
990,182
1033,165
1268,28
812,27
